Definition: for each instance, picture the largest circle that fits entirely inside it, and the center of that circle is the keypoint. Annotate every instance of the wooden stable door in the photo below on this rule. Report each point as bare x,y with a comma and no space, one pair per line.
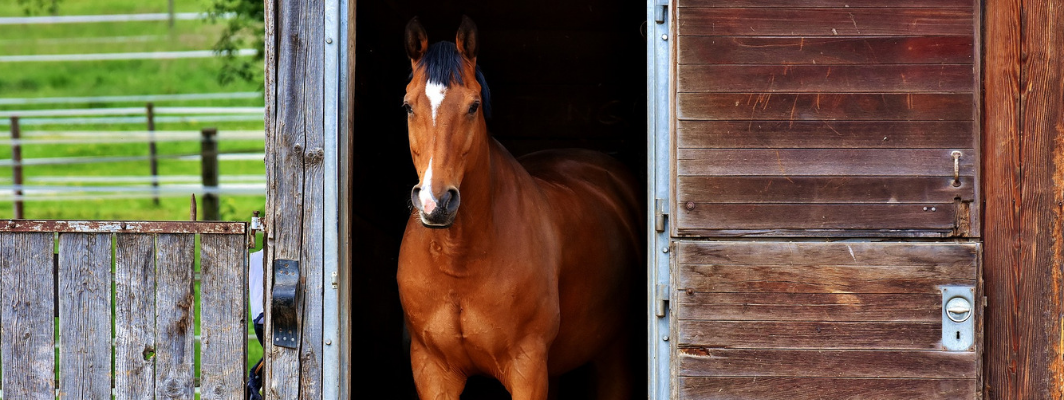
824,166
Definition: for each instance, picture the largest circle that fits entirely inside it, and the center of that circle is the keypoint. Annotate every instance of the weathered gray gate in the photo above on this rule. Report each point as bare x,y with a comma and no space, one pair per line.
144,272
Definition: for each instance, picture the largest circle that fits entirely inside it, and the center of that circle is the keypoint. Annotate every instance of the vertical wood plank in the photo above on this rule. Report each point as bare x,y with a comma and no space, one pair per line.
27,301
223,313
85,315
135,317
174,318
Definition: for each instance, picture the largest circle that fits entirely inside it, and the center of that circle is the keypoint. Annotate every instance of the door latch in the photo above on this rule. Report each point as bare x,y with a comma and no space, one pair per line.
286,303
958,318
661,212
660,11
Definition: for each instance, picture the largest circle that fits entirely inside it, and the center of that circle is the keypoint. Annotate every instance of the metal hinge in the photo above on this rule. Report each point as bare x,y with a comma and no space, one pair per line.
661,300
661,212
661,11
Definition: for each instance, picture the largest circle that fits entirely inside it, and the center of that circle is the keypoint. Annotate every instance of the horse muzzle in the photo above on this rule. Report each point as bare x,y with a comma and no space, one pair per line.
436,213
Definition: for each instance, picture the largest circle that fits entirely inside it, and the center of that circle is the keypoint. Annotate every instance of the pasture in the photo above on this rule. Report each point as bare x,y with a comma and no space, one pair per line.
64,79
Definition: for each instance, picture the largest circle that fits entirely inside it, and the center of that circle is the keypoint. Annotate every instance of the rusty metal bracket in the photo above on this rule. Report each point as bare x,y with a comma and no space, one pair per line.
286,303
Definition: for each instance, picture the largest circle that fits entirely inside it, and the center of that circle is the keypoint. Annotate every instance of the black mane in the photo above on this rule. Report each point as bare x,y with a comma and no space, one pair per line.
443,65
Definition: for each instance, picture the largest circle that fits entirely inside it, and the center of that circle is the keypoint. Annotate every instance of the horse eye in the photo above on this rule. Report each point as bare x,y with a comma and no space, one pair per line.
408,109
473,108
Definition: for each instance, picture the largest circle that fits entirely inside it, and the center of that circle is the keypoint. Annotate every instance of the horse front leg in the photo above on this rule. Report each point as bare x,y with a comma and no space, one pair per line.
527,377
433,378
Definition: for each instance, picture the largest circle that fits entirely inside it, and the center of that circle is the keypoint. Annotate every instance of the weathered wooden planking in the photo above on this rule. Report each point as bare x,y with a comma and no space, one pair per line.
1024,159
773,388
824,134
824,106
740,253
815,216
85,315
94,226
827,363
811,335
943,78
834,162
823,278
134,317
174,317
770,306
963,4
825,50
223,313
802,189
296,185
825,22
27,301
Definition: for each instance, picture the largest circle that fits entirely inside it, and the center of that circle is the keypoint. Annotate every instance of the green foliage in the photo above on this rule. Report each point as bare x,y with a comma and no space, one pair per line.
245,26
38,7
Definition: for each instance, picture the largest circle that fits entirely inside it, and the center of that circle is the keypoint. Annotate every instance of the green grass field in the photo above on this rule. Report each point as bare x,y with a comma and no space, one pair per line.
115,78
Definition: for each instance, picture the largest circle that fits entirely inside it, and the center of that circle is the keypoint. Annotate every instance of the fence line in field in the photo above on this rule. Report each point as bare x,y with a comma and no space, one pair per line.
129,111
133,120
71,19
142,55
98,160
130,98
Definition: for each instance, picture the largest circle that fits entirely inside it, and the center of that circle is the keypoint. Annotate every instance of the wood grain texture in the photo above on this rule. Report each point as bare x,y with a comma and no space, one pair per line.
294,82
771,306
962,4
1023,182
85,315
824,134
821,278
134,317
777,253
825,50
827,363
771,388
848,189
174,317
223,313
943,78
812,335
27,301
697,216
824,22
834,162
824,107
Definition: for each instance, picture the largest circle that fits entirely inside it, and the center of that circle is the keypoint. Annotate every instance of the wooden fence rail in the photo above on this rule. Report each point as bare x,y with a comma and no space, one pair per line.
153,301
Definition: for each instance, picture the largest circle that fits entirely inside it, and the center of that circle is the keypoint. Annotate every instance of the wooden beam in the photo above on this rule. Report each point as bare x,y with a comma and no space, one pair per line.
1024,181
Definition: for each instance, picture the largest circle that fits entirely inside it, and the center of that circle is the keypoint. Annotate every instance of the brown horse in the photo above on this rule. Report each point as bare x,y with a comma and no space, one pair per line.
530,278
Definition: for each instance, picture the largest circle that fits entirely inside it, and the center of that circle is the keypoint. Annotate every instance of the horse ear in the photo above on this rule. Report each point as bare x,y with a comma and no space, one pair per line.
466,40
417,41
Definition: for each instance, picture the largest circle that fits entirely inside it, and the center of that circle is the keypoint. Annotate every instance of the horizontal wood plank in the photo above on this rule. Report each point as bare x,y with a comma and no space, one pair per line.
814,162
770,306
801,278
740,253
803,189
815,216
827,363
824,106
773,388
823,134
811,335
825,50
825,21
963,4
943,78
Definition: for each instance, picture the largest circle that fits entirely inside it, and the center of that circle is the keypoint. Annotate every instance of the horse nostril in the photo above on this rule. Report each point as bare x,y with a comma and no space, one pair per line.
453,200
414,194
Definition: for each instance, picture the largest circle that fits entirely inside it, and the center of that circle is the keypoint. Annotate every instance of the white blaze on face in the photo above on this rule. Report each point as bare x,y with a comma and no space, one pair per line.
428,202
435,92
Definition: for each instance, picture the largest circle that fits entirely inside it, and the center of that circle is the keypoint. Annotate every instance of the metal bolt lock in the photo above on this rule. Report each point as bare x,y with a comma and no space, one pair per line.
958,309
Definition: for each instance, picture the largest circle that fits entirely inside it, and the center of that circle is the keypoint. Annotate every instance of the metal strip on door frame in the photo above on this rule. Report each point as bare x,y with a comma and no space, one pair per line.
335,43
658,194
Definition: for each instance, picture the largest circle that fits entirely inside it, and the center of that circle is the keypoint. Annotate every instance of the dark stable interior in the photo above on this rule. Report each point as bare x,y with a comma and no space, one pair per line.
562,74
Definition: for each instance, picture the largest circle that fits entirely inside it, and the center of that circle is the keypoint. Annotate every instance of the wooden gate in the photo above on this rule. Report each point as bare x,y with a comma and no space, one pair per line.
809,144
138,277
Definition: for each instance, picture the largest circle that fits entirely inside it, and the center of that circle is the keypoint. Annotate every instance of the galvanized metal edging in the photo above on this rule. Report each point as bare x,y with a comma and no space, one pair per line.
65,226
335,42
658,187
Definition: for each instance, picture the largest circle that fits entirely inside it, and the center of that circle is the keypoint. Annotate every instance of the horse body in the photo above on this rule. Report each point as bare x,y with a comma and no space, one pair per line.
530,279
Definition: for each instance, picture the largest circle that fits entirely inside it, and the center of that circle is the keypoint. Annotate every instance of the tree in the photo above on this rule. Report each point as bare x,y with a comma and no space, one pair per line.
34,7
244,25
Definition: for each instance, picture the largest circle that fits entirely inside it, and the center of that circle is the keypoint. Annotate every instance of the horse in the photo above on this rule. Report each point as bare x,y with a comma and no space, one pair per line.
515,269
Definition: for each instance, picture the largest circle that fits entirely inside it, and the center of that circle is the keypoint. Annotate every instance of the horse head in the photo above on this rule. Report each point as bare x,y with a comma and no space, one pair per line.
446,102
